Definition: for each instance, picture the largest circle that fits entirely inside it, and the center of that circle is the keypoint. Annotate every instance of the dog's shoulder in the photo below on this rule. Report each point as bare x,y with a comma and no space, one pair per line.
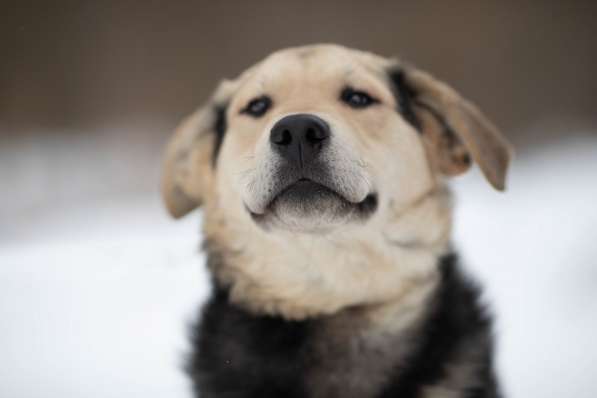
455,350
255,356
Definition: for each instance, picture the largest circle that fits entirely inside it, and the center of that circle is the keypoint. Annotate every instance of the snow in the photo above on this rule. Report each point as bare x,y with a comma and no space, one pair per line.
535,249
100,312
96,294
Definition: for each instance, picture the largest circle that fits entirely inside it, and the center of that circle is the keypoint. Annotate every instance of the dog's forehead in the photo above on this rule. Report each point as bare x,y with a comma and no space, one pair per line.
314,64
324,56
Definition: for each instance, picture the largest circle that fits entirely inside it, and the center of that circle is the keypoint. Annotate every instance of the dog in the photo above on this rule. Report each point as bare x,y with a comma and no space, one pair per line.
322,172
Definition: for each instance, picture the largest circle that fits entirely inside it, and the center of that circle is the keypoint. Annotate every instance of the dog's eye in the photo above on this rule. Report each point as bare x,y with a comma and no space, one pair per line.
357,99
258,106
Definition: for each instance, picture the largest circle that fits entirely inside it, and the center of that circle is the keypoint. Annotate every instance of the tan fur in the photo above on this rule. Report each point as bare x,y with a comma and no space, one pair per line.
304,275
487,146
383,261
447,154
370,282
186,170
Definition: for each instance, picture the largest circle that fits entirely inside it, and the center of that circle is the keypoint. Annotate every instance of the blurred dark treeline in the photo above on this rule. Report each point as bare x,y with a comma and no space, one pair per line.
82,65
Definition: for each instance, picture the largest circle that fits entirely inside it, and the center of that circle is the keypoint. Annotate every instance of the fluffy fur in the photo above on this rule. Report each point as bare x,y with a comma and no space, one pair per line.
447,352
322,303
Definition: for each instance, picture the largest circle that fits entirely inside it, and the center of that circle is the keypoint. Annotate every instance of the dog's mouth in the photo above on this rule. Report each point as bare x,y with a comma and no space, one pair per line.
310,205
307,193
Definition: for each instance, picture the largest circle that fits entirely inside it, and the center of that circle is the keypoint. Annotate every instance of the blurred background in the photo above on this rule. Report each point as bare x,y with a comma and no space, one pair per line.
97,284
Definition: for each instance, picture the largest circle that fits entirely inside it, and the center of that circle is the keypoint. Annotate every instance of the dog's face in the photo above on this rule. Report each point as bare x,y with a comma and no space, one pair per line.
320,170
314,142
318,138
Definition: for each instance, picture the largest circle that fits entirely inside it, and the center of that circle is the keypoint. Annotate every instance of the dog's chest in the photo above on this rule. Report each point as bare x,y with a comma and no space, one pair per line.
271,357
353,361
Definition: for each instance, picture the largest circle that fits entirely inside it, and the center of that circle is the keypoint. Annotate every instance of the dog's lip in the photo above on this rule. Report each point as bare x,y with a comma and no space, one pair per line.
306,182
368,203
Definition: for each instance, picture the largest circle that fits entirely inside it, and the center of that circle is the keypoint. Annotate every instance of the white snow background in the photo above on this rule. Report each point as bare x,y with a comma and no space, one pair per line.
98,286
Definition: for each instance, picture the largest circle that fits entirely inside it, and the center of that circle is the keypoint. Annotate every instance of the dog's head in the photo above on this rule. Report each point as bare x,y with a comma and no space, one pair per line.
315,138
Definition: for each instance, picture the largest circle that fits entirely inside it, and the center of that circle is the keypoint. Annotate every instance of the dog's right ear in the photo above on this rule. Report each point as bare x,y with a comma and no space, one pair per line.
191,154
454,130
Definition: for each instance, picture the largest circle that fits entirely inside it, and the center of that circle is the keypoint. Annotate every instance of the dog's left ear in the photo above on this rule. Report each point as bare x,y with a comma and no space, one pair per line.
453,129
191,154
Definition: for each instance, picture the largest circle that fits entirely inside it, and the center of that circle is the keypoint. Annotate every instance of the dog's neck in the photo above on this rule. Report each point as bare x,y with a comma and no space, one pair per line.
299,276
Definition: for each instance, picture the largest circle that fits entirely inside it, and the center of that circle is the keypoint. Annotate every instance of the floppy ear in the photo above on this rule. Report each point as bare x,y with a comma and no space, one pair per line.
191,153
454,130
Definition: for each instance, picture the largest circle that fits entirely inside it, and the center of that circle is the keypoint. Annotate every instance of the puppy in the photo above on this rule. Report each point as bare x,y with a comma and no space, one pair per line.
322,174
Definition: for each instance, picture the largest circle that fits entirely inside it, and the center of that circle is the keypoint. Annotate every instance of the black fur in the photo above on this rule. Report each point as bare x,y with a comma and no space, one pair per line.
240,355
408,103
457,319
220,131
405,96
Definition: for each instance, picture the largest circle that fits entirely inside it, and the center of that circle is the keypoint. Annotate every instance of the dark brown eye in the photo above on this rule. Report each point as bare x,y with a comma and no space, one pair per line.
357,99
258,106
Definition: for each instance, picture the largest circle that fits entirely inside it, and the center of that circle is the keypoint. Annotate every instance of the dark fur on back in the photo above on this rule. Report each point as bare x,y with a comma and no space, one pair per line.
241,355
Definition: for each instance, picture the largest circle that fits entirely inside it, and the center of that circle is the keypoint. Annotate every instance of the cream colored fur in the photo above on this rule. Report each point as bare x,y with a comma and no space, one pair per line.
387,260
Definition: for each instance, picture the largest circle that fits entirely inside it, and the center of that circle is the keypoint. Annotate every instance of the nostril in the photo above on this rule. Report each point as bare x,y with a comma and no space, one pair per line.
281,137
315,135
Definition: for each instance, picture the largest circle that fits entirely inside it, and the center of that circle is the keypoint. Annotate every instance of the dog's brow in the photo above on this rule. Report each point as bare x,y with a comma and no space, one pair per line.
348,70
262,83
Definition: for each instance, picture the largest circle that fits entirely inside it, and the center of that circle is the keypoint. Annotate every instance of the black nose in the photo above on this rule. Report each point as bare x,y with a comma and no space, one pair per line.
299,138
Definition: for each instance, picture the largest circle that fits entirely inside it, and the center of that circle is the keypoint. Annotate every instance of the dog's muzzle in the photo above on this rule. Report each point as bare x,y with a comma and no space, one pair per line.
306,182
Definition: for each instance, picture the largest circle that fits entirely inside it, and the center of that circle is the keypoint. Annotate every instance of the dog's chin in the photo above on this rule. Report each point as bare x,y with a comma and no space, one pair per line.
309,207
